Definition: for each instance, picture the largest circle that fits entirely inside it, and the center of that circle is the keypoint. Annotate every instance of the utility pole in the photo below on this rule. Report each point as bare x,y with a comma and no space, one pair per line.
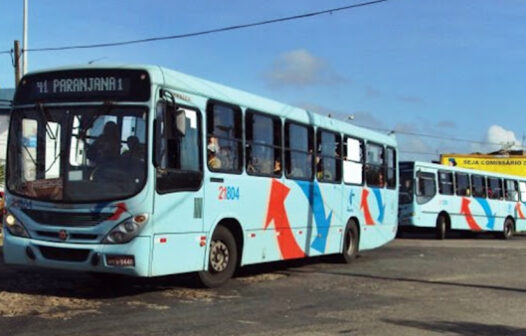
24,46
17,62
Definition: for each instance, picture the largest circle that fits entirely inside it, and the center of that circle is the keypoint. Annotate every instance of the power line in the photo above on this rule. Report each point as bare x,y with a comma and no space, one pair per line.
205,32
434,136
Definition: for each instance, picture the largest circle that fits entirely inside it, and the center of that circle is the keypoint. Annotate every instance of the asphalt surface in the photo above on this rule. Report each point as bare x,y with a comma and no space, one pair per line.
412,286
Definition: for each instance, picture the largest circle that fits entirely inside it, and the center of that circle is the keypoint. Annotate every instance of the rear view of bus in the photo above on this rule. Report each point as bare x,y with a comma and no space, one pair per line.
77,165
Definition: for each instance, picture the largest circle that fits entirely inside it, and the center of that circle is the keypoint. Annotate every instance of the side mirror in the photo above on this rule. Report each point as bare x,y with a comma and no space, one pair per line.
180,122
175,121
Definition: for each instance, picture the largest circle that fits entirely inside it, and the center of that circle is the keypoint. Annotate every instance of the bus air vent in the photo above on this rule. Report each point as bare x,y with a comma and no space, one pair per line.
64,254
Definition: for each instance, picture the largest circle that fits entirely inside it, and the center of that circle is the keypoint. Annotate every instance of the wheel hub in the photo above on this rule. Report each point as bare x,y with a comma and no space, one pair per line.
219,256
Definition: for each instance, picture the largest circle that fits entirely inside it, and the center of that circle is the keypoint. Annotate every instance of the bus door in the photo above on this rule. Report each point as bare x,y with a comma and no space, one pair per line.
178,204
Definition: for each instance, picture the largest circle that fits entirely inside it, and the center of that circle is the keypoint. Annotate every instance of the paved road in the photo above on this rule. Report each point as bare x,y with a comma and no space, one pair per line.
413,286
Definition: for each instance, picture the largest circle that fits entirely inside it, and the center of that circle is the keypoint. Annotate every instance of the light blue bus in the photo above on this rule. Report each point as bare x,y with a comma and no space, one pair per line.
447,198
145,171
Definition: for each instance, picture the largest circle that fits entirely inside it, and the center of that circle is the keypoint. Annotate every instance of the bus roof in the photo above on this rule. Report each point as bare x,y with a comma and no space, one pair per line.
461,170
197,86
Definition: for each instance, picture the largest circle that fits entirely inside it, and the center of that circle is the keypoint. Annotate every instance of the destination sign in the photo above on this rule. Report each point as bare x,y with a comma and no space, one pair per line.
84,85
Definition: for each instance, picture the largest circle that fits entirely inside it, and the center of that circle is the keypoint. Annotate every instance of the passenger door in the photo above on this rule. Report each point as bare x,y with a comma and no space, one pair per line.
178,215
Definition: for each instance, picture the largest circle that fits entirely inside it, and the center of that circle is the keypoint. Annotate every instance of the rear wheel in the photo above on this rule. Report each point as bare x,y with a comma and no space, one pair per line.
350,242
508,230
441,227
222,259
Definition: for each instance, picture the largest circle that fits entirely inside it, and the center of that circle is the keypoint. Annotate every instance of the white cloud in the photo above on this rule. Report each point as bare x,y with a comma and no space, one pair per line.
499,135
496,138
300,68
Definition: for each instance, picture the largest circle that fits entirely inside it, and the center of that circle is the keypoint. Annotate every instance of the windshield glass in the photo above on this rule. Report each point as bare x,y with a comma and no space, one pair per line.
77,154
406,186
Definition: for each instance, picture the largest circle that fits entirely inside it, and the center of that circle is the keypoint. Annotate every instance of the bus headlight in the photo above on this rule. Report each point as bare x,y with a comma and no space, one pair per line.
126,230
14,226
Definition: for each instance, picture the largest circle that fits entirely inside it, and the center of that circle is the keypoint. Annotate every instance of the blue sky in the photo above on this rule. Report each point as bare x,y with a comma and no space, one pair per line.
450,68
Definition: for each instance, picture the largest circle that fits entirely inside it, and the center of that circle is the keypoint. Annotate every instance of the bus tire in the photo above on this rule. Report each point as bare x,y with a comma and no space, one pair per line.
222,259
351,241
508,230
441,227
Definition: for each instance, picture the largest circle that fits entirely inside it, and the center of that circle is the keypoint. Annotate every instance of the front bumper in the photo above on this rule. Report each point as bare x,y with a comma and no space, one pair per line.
79,257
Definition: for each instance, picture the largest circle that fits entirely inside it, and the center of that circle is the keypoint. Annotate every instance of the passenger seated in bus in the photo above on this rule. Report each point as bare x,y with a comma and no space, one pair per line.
277,167
212,150
381,181
213,160
107,146
321,172
490,193
134,149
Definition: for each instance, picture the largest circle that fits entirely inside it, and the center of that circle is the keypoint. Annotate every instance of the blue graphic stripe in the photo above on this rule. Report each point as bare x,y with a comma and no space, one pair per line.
487,210
381,205
313,193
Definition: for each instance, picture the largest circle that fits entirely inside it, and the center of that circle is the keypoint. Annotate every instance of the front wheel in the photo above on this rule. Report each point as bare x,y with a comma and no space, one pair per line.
507,231
222,259
350,242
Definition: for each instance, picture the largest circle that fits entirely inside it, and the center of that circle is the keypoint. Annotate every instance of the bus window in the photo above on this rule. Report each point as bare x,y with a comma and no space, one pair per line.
445,183
426,187
328,153
298,151
478,184
391,168
494,188
263,147
353,161
522,188
224,145
511,190
462,184
178,158
375,165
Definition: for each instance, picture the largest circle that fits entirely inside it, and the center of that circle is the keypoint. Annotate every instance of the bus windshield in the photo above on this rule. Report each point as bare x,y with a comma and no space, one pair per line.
406,189
77,154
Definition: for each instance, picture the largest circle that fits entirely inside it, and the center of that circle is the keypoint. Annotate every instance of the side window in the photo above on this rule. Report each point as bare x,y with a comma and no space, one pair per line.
298,151
391,168
375,165
263,144
328,153
522,188
177,156
426,187
494,188
462,184
445,183
511,189
353,161
224,144
478,184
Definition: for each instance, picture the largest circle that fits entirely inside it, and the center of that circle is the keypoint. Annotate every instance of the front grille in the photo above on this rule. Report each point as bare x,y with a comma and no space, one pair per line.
70,219
76,236
64,254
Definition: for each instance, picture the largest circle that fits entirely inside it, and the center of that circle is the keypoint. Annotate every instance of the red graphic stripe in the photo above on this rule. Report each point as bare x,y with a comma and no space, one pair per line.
519,211
365,206
469,217
276,212
121,208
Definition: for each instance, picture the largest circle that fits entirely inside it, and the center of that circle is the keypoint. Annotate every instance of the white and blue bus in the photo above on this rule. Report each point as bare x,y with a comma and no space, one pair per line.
145,171
447,198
